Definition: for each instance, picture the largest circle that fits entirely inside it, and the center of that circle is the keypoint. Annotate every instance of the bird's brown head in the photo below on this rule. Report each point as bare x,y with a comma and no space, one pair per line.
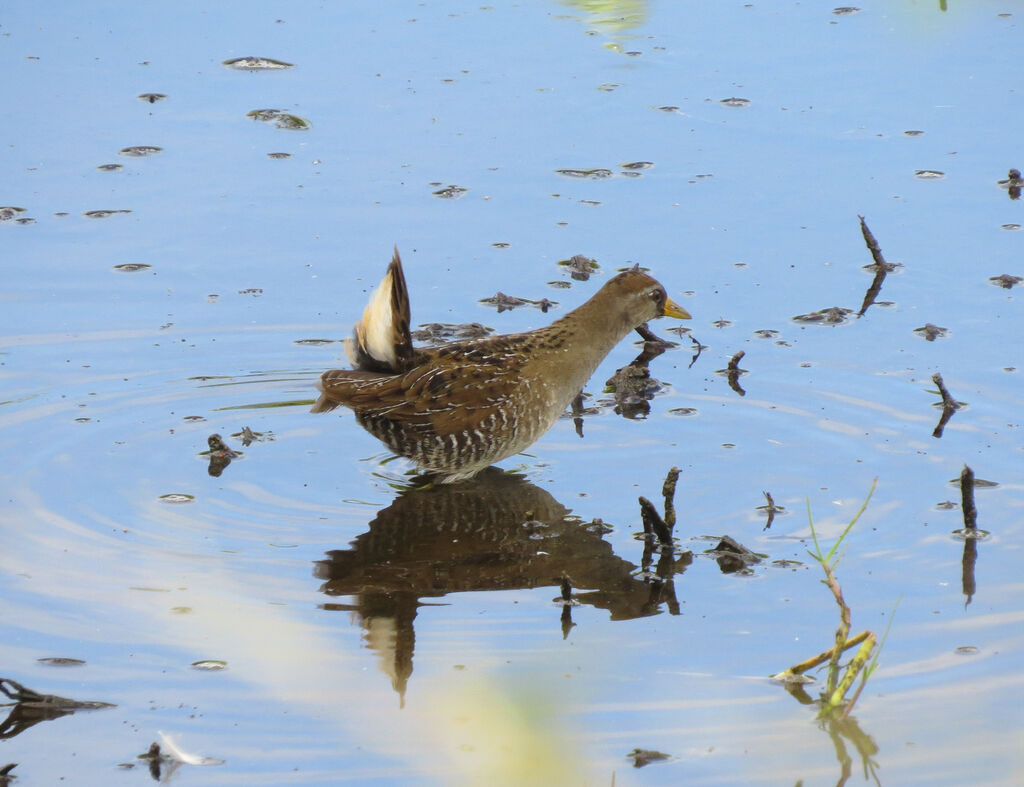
641,298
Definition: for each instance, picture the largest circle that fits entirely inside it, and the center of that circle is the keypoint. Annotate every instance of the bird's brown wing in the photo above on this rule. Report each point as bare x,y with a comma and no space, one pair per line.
445,398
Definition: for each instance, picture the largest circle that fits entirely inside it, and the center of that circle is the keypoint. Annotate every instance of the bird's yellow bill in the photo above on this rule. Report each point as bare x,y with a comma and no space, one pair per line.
673,309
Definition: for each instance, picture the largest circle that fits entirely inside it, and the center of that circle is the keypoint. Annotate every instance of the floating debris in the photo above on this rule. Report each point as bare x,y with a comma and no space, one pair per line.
255,292
102,214
10,212
220,455
256,64
913,133
174,752
508,302
280,119
132,267
766,333
43,706
667,109
834,315
642,757
314,341
217,446
589,174
931,332
177,497
1013,183
608,87
732,556
683,411
440,332
450,191
25,220
633,388
248,436
845,10
1007,227
580,267
279,155
209,665
1006,281
110,167
929,174
637,165
61,661
735,102
151,98
139,151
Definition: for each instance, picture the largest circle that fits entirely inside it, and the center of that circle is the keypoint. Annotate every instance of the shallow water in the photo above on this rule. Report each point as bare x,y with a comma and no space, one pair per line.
373,634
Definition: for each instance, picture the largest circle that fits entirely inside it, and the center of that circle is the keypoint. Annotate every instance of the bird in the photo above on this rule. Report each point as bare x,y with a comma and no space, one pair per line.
460,407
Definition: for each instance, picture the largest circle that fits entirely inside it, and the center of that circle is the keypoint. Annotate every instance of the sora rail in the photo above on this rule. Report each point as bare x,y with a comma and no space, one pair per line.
461,407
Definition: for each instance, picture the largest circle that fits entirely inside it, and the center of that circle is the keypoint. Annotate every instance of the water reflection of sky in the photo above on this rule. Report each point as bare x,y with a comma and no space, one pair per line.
748,215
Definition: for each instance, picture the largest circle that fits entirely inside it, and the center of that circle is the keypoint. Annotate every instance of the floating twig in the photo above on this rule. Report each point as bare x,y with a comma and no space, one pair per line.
661,582
649,336
577,414
567,604
967,499
668,491
733,372
771,508
872,244
699,348
967,583
880,266
653,523
949,405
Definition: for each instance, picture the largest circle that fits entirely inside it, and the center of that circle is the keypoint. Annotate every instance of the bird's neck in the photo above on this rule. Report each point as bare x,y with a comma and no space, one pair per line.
588,334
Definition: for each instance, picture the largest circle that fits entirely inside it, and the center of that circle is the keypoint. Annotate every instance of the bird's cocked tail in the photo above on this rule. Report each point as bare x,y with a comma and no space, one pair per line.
380,340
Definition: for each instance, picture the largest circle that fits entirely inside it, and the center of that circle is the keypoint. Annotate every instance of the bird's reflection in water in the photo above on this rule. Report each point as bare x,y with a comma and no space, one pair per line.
496,531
